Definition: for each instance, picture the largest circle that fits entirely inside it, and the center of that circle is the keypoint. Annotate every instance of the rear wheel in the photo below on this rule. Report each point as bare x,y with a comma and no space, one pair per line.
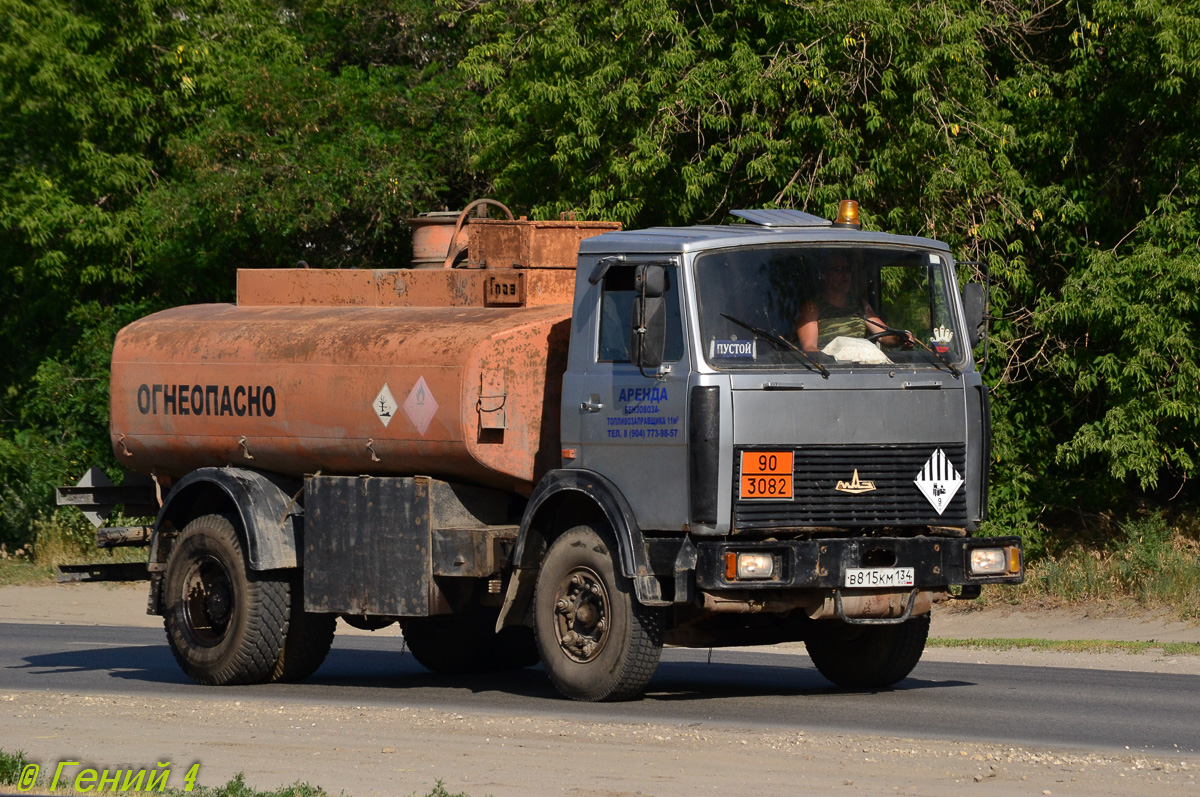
596,641
225,623
309,638
867,656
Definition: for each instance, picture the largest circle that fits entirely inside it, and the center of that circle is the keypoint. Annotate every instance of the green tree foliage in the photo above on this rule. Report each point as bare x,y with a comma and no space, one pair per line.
86,93
320,154
1124,315
147,149
676,111
1053,141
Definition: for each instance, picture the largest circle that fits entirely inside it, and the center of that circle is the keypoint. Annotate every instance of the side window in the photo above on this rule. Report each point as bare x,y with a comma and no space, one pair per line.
616,316
904,297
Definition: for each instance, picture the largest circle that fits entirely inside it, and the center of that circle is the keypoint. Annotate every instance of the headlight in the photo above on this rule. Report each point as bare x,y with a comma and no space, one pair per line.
988,561
748,565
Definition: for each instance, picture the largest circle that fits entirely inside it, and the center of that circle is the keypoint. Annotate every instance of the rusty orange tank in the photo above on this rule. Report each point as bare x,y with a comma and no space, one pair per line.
452,373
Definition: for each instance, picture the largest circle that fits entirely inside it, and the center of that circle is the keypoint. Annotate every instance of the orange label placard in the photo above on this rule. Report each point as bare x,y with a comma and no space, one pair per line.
766,475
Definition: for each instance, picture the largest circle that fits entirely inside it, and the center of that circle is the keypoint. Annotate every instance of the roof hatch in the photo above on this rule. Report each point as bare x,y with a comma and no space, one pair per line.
781,217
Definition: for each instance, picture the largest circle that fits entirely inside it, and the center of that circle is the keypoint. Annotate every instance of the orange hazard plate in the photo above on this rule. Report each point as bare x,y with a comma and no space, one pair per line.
766,475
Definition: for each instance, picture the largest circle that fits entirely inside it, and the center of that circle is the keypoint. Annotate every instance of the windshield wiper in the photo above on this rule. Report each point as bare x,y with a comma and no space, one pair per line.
779,340
905,335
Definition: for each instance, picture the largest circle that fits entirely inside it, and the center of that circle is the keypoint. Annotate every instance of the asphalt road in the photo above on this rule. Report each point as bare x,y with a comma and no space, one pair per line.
1096,709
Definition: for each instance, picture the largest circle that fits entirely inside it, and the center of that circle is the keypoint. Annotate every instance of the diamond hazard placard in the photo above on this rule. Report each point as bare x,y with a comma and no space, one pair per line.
385,405
420,406
938,481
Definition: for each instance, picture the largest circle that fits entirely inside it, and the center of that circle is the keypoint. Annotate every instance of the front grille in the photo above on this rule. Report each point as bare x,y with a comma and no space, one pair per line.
895,501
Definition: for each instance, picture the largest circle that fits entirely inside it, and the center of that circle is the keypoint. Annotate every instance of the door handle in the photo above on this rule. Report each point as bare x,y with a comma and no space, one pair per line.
591,406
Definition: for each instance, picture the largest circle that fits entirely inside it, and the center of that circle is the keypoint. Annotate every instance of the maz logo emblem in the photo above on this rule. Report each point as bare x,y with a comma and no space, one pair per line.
855,486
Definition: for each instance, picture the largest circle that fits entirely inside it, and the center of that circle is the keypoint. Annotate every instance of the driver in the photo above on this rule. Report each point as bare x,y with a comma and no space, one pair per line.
835,312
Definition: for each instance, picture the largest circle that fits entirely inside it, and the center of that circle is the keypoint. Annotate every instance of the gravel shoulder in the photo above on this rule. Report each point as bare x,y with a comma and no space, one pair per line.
372,750
364,751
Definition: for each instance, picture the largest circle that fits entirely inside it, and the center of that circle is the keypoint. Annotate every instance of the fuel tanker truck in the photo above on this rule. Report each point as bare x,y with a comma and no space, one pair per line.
569,443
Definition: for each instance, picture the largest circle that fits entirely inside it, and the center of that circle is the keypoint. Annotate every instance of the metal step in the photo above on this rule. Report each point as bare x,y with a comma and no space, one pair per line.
96,496
123,571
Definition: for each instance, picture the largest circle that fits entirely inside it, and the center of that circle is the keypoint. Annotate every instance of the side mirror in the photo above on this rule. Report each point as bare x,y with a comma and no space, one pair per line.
975,309
648,331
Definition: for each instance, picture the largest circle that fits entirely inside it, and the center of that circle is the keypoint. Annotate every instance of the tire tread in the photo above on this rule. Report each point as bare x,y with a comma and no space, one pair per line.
647,626
882,656
267,602
309,638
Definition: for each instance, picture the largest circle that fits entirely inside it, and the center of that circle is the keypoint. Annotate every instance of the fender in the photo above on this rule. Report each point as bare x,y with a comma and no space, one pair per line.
608,501
262,502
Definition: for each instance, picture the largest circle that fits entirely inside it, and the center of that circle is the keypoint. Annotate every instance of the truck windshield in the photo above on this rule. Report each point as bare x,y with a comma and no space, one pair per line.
840,304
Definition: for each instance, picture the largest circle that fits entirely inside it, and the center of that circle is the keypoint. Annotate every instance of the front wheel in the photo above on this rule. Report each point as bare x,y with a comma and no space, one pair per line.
867,656
596,641
225,623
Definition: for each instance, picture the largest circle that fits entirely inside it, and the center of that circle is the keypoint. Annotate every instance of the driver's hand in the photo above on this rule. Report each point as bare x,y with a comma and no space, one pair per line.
908,341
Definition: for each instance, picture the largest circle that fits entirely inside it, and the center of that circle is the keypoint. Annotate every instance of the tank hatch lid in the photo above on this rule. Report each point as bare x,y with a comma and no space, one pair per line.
781,217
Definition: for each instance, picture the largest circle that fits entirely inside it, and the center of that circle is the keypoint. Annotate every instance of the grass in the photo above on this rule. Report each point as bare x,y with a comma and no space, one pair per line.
25,572
66,537
1072,645
1145,561
11,765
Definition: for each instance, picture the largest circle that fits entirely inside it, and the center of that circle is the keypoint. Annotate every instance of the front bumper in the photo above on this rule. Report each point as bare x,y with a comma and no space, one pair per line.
822,563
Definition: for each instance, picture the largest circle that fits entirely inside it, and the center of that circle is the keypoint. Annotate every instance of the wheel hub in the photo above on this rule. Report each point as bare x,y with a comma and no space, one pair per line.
217,604
207,600
581,610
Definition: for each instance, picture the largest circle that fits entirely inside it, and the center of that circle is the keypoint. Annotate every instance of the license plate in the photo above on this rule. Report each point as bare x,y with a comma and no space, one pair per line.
879,577
766,475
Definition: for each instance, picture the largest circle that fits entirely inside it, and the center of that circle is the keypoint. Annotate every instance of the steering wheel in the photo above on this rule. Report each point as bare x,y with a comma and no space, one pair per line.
904,335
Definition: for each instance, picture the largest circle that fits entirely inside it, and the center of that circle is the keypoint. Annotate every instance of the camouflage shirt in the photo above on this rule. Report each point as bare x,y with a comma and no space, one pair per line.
838,322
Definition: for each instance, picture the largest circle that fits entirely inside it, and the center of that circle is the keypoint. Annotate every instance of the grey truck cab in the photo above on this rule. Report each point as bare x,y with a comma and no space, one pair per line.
785,424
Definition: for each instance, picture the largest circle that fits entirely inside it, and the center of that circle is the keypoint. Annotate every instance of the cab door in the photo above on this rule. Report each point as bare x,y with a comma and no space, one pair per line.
632,427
